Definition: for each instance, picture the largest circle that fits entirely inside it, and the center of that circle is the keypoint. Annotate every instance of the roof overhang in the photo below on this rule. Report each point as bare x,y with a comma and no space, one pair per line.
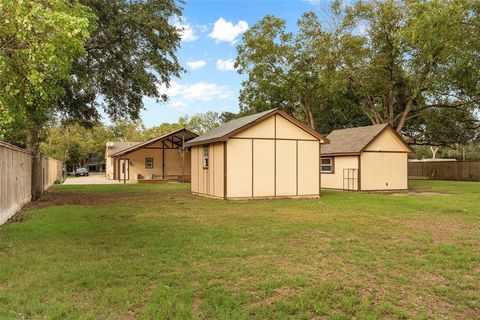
339,154
174,136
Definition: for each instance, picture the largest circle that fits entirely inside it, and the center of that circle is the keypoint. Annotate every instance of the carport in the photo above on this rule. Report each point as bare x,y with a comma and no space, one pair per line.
162,158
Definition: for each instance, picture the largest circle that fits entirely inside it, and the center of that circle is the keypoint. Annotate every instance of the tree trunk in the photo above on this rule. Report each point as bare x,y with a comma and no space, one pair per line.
37,174
434,151
405,114
311,120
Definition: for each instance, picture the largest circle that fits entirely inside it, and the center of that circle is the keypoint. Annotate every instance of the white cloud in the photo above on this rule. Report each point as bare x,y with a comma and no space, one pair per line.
194,65
181,94
225,65
186,30
177,104
226,31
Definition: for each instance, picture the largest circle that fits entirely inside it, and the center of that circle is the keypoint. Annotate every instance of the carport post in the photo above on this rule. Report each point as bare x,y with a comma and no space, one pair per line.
183,156
119,170
124,170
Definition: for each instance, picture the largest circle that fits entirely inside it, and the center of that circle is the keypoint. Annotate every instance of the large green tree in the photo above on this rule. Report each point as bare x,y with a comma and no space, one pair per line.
414,60
201,122
74,143
39,40
80,59
131,52
296,72
410,63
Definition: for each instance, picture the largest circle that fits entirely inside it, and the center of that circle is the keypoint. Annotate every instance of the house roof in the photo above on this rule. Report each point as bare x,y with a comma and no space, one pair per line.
173,136
118,146
355,140
235,126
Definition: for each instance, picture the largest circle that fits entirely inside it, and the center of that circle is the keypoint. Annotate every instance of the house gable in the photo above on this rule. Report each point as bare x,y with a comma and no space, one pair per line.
386,141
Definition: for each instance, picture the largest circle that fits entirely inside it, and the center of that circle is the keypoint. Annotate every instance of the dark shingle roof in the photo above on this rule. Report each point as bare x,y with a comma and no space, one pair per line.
228,127
351,140
233,127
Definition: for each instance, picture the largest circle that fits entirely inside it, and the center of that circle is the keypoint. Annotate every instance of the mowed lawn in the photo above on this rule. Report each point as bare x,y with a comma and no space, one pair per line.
157,252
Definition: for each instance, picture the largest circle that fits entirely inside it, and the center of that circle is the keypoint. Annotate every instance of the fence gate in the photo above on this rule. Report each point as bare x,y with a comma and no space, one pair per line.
350,179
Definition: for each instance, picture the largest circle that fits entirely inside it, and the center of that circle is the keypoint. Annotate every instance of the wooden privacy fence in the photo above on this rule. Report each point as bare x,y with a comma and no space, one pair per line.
16,178
445,170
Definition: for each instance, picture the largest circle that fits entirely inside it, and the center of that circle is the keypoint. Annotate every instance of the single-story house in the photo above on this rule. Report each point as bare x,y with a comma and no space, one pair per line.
95,163
112,148
371,158
161,158
265,155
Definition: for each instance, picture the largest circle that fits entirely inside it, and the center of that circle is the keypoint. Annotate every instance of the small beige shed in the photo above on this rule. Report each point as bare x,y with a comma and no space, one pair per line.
371,158
265,155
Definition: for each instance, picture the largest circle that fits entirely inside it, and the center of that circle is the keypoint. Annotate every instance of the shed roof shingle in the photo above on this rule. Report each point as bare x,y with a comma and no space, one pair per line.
228,127
234,126
351,140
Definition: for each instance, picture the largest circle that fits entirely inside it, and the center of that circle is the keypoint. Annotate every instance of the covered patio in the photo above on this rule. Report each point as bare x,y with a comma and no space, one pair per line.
160,159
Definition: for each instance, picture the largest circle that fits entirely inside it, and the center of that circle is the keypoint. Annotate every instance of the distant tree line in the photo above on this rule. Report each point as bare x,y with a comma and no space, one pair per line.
74,143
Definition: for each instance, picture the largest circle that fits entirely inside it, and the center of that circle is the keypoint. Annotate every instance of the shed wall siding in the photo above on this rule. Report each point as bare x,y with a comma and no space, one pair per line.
384,171
264,171
335,180
286,182
308,167
195,169
239,168
218,176
208,181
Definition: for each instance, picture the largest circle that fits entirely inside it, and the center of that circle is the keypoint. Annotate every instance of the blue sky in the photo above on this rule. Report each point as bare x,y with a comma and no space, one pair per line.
212,28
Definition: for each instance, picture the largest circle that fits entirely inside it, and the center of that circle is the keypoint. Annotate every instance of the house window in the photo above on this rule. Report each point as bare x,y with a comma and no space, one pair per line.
205,157
149,163
327,165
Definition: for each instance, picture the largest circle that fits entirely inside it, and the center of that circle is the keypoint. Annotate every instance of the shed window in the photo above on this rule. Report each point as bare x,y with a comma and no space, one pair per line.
149,163
205,157
327,165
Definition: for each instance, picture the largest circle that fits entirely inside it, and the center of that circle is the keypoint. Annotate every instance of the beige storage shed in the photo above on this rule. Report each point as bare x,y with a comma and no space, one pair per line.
372,158
265,155
160,158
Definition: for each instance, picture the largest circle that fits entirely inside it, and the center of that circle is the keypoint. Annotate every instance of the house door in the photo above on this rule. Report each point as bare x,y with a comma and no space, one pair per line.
124,168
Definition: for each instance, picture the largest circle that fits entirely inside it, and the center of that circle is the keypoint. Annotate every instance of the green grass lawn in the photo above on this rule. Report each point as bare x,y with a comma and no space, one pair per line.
156,252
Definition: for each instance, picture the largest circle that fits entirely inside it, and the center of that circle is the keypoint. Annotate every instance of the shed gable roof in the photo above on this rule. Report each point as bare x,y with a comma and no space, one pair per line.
223,132
355,140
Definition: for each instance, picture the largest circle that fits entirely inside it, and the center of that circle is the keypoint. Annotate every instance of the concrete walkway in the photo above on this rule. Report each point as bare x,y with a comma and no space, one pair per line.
93,178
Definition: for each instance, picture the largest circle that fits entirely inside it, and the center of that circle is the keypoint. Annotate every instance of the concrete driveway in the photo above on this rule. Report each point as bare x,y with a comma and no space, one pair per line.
93,178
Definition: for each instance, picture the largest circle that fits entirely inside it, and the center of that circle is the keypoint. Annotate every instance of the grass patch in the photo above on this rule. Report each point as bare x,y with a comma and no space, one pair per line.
155,251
